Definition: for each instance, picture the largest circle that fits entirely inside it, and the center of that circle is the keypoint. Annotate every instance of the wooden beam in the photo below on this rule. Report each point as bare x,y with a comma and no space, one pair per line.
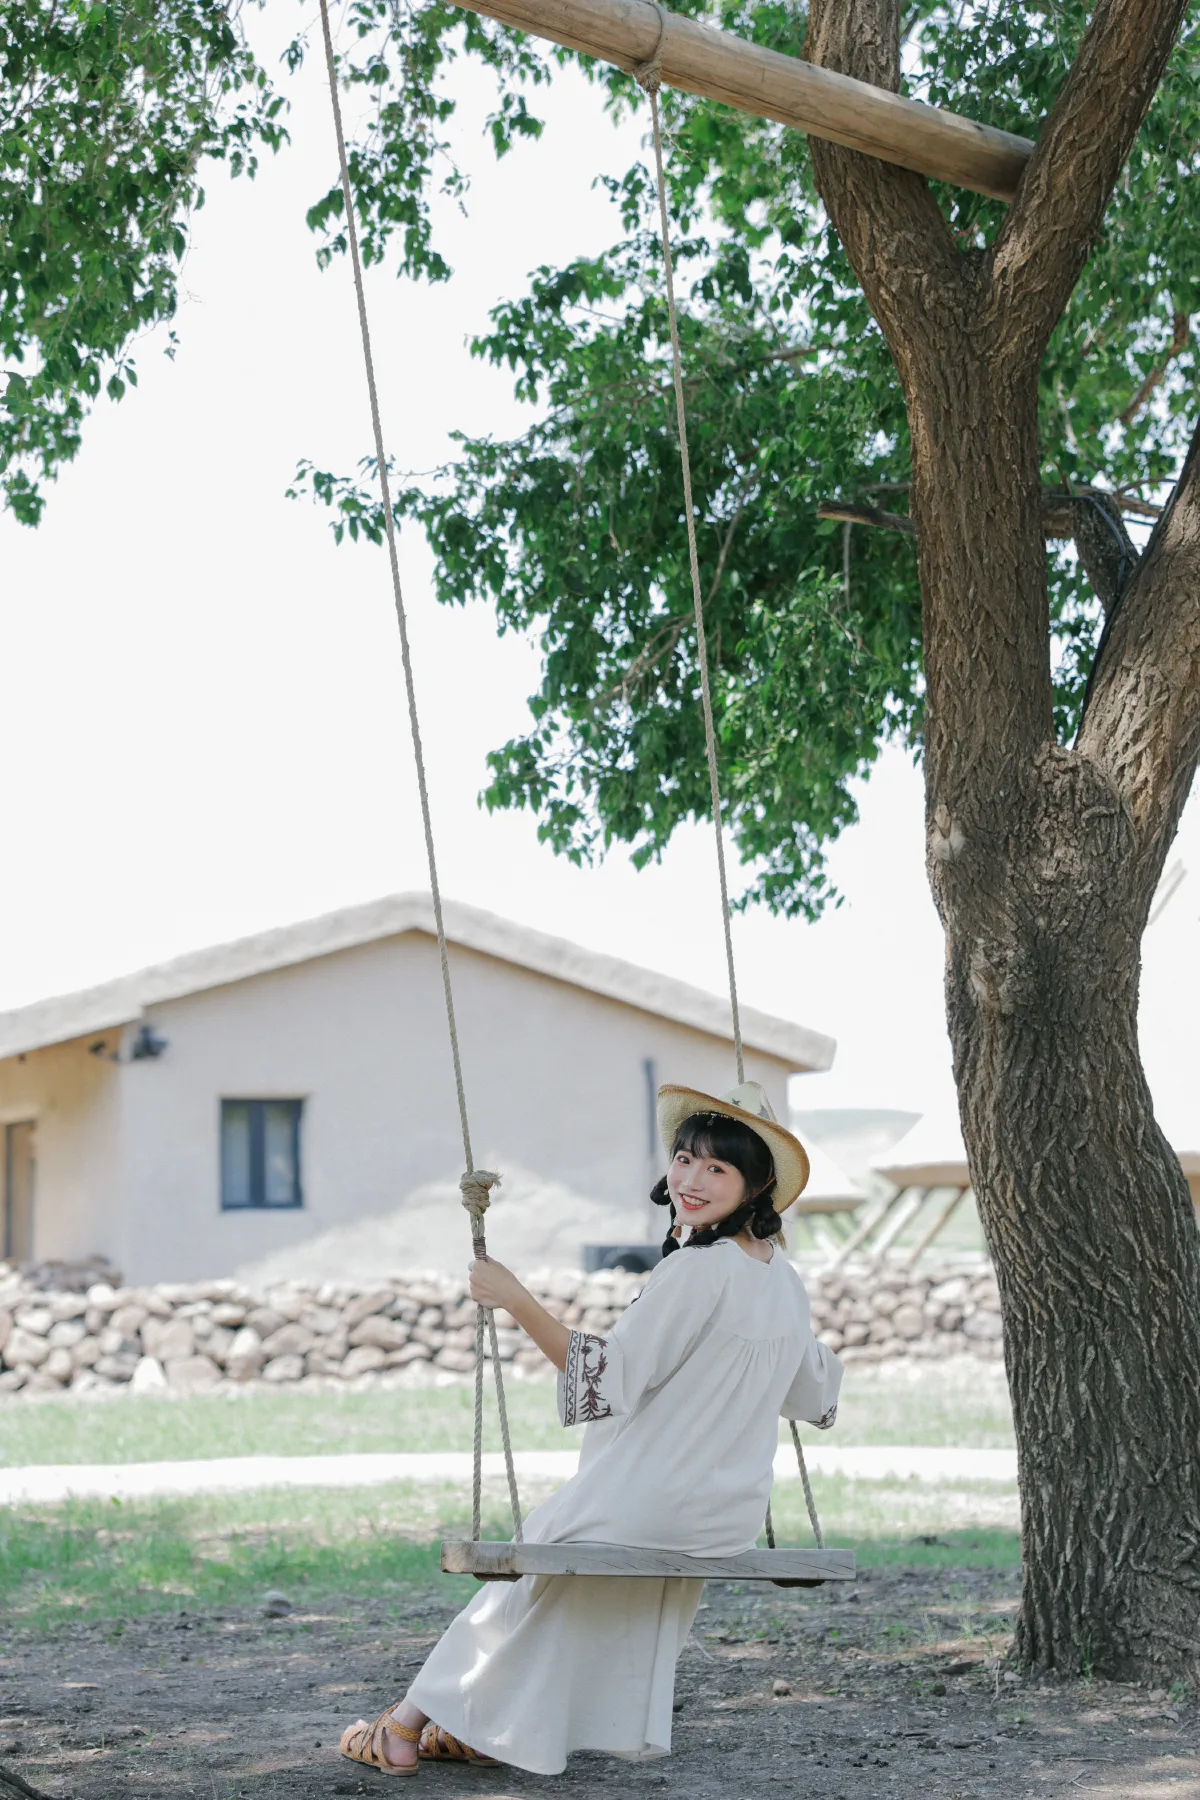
702,60
506,1561
814,1209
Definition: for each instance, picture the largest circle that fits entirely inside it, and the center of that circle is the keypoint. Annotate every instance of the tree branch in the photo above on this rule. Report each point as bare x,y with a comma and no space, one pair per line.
1142,721
1056,504
1091,518
909,278
1106,550
1178,344
1048,233
726,541
1126,503
866,515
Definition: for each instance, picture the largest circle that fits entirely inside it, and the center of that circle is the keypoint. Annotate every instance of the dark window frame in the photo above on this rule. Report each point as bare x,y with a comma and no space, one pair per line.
9,1250
257,1185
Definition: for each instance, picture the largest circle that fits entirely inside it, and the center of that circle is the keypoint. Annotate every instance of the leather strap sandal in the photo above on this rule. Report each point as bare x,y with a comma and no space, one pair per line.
439,1746
363,1743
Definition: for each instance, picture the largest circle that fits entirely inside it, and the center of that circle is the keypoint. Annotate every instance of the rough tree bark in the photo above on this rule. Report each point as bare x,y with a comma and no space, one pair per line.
1044,860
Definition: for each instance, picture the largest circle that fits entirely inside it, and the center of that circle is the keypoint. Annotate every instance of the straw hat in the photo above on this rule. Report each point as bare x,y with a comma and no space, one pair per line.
749,1104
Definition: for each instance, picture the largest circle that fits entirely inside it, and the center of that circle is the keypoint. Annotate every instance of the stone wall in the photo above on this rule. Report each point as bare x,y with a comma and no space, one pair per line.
869,1313
212,1336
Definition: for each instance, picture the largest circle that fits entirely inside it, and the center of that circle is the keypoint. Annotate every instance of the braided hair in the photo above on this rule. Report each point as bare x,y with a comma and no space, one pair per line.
729,1141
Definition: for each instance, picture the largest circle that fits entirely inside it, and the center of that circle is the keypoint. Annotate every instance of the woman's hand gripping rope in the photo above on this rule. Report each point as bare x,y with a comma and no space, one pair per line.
493,1285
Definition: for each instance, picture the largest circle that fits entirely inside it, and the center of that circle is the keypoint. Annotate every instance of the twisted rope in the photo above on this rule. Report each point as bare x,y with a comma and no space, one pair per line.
476,1189
475,1182
648,75
811,1504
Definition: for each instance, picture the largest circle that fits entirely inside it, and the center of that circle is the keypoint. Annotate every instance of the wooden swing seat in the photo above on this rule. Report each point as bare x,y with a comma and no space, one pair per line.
502,1561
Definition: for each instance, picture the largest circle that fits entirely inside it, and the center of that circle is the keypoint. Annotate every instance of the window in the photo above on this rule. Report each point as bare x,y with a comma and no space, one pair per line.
260,1153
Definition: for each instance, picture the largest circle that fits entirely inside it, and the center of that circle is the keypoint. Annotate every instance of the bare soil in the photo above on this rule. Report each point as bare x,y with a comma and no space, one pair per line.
895,1687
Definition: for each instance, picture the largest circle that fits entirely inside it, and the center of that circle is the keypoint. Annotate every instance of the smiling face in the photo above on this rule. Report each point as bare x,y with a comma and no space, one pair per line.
705,1190
717,1165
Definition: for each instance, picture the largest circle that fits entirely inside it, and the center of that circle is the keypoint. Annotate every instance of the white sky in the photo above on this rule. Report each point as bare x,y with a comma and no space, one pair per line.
203,730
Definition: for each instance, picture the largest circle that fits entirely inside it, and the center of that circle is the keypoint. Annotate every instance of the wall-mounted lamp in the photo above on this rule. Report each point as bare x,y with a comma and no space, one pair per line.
147,1045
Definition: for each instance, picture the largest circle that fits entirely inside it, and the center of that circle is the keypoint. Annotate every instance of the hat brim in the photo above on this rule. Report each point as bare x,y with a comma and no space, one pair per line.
675,1104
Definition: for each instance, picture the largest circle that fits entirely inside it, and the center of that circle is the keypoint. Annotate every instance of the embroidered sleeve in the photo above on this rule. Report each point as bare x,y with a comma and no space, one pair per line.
813,1395
607,1377
581,1386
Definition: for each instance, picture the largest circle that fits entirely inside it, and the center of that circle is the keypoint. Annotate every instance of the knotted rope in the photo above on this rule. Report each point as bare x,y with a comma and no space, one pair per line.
648,76
476,1187
476,1182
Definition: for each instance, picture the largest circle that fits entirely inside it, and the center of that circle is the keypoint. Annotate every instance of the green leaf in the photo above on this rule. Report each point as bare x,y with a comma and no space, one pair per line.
107,113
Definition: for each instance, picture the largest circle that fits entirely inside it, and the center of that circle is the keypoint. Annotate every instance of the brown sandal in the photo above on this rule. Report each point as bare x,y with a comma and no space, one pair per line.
363,1743
439,1746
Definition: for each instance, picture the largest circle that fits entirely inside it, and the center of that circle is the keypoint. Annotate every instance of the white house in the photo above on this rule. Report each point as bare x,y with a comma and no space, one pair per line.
216,1109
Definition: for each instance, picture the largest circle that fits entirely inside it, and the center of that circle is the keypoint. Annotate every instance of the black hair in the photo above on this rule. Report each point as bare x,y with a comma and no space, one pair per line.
729,1141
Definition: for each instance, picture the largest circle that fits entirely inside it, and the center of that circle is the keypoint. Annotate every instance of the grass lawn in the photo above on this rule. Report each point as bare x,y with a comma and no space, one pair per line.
100,1559
923,1404
147,1428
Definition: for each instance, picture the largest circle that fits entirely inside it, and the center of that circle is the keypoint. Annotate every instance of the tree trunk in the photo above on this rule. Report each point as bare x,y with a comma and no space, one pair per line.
1090,1224
1043,877
1044,860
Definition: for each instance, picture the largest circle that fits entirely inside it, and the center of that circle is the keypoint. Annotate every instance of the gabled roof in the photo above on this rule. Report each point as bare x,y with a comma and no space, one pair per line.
125,1001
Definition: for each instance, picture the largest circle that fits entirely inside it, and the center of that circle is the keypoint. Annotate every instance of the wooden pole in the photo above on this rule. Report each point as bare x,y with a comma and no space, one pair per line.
702,60
873,1215
939,1224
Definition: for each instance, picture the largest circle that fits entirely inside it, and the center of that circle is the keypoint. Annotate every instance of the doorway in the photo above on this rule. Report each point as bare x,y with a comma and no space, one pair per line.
19,1171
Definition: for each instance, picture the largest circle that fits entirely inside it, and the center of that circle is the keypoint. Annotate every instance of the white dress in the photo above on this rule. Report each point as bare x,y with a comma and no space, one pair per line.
683,1400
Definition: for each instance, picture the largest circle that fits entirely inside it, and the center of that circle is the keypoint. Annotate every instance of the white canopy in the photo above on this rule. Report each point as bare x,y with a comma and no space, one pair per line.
828,1185
930,1155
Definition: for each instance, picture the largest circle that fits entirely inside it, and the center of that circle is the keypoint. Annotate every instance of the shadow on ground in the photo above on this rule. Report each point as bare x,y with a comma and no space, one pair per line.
895,1687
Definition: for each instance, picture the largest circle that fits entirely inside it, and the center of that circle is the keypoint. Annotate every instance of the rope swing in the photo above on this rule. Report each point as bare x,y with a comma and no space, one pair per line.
504,1561
476,1184
648,76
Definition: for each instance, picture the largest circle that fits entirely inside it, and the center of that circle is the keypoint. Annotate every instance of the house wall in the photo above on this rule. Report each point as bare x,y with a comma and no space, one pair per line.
73,1099
555,1080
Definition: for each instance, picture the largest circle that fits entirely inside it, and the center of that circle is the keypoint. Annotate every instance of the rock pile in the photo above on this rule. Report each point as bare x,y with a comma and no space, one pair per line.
869,1314
214,1335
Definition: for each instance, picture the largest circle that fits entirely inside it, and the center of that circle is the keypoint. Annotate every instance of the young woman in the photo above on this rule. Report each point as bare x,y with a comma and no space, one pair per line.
682,1401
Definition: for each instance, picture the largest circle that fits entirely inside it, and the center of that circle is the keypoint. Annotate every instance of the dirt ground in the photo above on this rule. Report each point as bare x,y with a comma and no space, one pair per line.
891,1688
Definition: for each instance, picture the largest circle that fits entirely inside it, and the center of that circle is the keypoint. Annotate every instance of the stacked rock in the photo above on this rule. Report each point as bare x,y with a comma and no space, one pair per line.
870,1314
212,1336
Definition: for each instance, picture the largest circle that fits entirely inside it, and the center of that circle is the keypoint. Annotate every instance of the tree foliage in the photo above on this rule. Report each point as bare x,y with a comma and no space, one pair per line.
107,113
399,61
574,532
